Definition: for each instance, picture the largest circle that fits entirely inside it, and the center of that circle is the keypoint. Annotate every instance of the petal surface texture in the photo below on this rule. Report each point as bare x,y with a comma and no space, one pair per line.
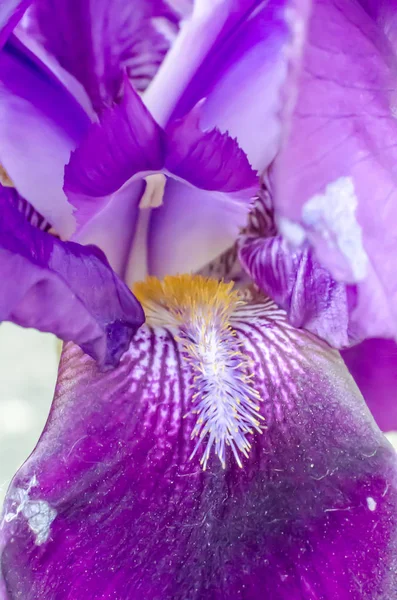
335,180
373,364
110,506
63,287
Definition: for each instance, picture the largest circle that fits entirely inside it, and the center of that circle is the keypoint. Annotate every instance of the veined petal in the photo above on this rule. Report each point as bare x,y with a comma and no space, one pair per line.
300,285
99,40
40,124
373,364
335,179
11,11
109,504
62,287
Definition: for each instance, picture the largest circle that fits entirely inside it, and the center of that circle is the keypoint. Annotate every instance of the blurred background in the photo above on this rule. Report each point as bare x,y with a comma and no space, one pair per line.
28,370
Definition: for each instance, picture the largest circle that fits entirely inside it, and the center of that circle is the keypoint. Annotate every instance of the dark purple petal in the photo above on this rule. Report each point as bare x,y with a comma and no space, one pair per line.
127,141
300,285
209,160
11,11
63,287
373,364
99,40
335,181
109,505
40,124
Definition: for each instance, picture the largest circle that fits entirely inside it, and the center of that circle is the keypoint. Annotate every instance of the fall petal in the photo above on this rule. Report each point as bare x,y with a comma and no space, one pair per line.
373,364
109,504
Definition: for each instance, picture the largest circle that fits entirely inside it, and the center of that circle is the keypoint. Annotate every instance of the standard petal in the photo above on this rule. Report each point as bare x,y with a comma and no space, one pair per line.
373,364
40,124
98,41
192,227
235,54
209,160
300,285
335,180
109,505
63,287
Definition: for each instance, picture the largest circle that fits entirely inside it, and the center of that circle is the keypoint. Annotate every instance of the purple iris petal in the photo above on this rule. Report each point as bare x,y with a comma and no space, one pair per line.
192,227
40,124
11,12
300,285
373,364
126,142
97,41
109,505
210,160
335,179
63,288
235,54
129,143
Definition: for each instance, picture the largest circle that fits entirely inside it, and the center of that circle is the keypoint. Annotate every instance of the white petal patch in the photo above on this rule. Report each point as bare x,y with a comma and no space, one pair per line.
38,513
333,215
371,503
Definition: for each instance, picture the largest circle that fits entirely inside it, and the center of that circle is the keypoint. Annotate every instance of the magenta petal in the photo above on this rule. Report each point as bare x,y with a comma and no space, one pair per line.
300,285
373,364
127,141
98,40
109,505
209,160
40,124
335,180
63,287
11,11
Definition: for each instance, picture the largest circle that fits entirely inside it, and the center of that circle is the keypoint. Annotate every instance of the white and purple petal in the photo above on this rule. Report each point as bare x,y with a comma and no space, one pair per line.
109,505
62,287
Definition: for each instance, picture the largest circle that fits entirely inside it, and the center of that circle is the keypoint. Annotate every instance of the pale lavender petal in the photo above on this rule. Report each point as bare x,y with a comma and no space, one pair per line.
63,287
335,180
192,227
109,505
40,124
373,364
99,40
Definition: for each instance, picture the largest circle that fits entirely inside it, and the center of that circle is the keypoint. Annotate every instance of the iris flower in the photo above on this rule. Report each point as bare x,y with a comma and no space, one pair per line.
199,198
